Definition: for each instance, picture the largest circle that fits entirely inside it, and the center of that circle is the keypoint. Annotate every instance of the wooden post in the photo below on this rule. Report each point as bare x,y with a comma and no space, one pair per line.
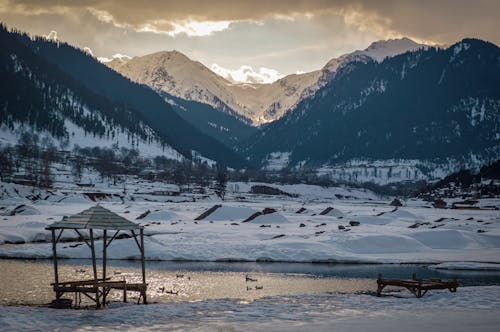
104,235
143,266
54,258
379,285
94,266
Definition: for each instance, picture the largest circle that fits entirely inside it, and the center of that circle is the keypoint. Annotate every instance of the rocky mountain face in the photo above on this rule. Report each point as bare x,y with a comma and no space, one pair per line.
177,75
430,108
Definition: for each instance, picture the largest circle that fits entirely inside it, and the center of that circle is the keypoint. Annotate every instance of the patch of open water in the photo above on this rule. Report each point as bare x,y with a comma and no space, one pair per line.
27,282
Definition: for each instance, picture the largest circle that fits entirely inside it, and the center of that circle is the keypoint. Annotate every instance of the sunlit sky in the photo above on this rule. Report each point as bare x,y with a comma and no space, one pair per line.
266,38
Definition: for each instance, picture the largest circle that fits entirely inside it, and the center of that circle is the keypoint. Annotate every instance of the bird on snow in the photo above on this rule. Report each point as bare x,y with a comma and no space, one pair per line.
248,278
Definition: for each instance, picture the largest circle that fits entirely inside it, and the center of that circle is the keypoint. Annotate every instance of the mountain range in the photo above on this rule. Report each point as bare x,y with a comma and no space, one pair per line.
177,75
395,111
67,66
431,104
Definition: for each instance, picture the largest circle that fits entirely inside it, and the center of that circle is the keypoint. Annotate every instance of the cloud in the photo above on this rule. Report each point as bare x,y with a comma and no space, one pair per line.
198,29
52,35
246,74
103,59
287,35
121,56
439,20
118,56
87,50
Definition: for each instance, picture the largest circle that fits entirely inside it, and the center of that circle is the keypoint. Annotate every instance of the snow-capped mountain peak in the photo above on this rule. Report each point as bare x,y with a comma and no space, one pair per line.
176,74
382,49
377,51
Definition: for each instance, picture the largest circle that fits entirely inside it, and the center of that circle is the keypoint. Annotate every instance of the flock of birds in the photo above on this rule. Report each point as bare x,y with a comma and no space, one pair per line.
247,279
163,290
250,279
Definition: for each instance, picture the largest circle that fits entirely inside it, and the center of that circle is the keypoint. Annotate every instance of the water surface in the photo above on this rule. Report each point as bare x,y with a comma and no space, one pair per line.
28,281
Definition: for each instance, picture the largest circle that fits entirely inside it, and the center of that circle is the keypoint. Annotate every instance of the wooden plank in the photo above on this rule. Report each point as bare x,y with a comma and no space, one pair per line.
76,289
112,284
131,287
78,282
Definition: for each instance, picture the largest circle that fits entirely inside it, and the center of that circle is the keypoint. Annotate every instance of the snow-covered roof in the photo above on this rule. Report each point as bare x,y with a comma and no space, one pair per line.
96,217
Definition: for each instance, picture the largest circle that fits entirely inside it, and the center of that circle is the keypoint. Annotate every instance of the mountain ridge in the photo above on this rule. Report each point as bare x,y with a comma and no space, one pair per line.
156,113
174,73
422,105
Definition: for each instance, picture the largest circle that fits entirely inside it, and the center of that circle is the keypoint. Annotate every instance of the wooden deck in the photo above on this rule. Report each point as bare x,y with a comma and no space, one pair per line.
418,287
99,290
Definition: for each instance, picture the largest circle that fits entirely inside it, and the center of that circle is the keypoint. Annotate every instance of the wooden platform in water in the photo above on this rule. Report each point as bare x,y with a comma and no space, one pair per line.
418,287
99,289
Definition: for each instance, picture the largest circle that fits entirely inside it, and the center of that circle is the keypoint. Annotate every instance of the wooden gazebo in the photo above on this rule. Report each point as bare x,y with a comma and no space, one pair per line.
97,217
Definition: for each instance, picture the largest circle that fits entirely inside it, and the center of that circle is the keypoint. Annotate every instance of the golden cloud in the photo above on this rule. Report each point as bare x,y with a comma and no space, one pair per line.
438,20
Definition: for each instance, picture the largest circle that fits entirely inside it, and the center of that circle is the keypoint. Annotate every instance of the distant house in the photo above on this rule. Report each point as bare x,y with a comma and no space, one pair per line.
166,190
148,174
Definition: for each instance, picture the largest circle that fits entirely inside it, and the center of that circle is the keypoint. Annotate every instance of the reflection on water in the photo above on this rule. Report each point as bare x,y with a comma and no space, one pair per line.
28,282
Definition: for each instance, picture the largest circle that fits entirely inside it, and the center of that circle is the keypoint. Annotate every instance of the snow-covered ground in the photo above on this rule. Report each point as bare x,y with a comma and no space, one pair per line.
415,232
470,309
361,227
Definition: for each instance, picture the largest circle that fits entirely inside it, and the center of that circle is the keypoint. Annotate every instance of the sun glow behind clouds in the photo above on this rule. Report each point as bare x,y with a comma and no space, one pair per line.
198,29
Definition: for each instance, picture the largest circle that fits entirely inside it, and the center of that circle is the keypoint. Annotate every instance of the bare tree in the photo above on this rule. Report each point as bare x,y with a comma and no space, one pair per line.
45,178
77,163
6,163
221,178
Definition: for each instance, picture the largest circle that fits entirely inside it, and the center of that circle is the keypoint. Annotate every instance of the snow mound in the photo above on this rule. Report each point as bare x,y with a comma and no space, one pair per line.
403,215
373,220
22,210
160,215
375,244
33,224
231,213
11,237
443,239
332,212
271,218
75,200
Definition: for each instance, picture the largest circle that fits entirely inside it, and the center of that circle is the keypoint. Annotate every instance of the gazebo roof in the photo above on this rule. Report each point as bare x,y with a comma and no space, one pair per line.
96,217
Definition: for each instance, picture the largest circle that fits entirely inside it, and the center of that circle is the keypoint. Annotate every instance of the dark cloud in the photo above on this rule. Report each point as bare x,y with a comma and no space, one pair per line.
438,20
287,36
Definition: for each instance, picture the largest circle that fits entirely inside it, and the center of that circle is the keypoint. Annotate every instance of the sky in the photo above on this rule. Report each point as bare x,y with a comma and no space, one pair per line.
253,41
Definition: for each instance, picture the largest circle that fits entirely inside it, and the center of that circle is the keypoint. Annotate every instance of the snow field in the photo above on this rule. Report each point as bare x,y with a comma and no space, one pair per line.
470,309
363,228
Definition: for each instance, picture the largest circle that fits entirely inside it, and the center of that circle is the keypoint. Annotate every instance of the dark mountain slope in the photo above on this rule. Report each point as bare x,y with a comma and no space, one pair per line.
427,104
152,108
224,127
36,93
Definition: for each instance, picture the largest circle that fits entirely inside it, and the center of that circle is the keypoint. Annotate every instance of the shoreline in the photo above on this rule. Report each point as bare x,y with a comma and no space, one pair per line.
262,261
